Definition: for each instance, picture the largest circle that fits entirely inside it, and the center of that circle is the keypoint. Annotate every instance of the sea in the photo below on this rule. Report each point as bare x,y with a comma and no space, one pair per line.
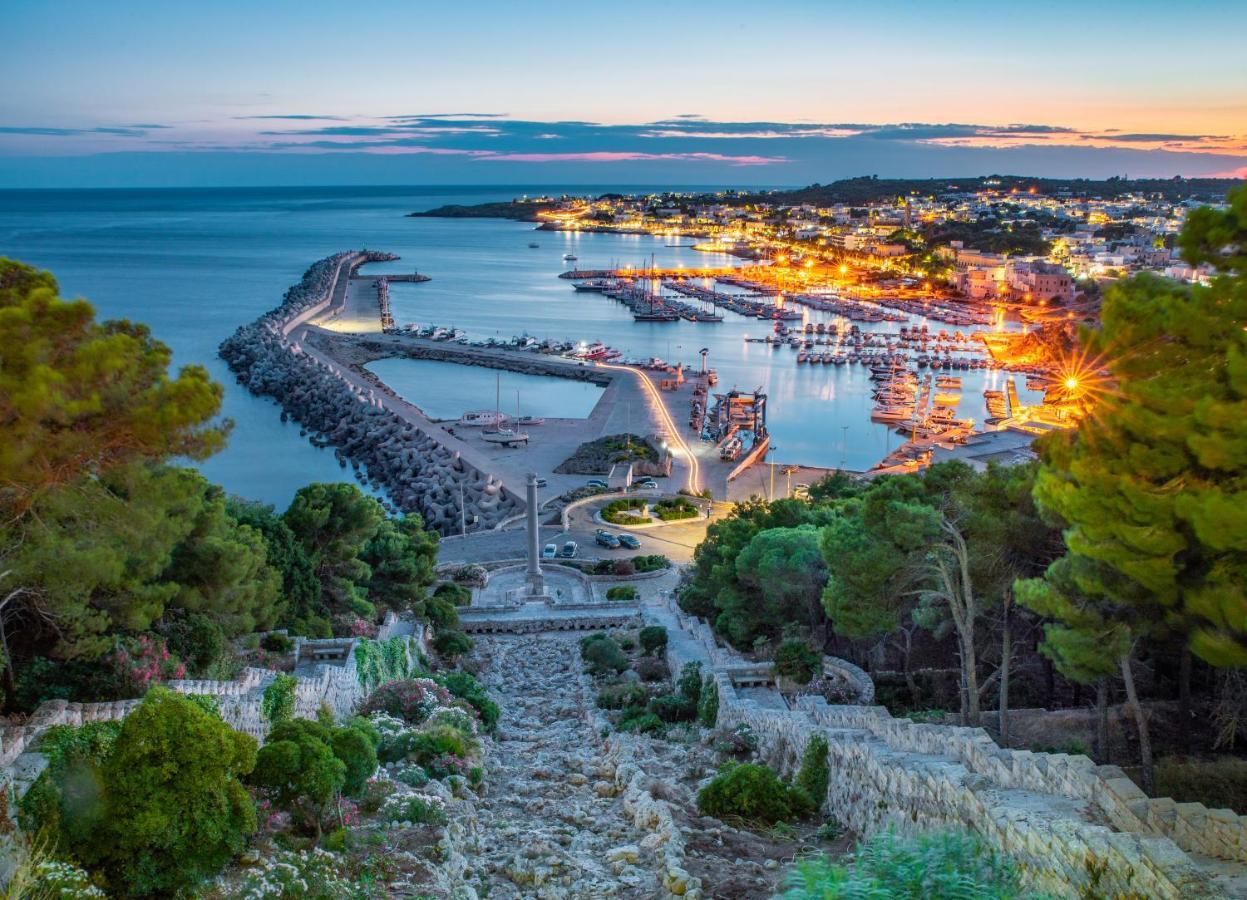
196,264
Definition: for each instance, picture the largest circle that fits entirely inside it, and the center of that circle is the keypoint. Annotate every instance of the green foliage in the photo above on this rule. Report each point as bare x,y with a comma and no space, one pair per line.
63,803
814,776
950,865
333,523
455,594
467,688
173,809
451,644
708,706
418,809
378,662
622,696
603,655
780,574
357,749
277,702
689,684
622,592
300,585
672,509
753,793
198,640
400,557
652,562
1218,784
639,720
440,608
798,661
276,642
623,511
673,708
299,768
1150,486
653,638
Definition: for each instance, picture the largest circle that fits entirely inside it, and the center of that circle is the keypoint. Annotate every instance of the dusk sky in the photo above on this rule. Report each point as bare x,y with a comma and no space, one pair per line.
175,93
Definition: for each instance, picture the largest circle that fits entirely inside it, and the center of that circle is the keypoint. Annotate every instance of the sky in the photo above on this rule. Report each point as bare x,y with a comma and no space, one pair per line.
169,92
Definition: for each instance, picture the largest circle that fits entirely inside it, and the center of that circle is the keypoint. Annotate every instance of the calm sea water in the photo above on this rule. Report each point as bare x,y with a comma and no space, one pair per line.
194,264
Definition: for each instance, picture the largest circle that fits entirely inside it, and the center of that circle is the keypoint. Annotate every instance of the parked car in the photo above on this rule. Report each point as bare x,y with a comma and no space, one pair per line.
645,484
606,539
629,541
596,483
569,550
541,482
549,551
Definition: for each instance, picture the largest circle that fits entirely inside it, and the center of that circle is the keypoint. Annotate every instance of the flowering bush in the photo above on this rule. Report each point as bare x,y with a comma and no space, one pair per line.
62,881
288,875
362,628
453,716
411,700
416,809
143,661
412,776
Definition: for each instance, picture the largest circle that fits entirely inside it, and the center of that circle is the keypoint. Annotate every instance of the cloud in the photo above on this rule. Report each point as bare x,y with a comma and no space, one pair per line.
48,131
295,116
610,156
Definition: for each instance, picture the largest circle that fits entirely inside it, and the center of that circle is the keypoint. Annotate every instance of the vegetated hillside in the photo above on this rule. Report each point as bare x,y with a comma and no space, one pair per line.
522,210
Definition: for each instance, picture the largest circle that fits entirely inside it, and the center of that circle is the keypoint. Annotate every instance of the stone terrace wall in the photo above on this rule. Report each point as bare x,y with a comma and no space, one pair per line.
1052,812
335,685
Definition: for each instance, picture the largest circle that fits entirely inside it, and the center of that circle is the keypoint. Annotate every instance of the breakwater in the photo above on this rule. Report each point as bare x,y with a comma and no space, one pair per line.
414,469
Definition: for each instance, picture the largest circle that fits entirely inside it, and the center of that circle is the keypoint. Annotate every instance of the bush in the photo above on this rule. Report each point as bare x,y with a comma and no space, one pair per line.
304,875
740,742
418,809
451,644
174,810
61,805
939,866
299,768
798,661
622,696
604,656
689,684
652,668
678,508
1219,784
276,642
455,594
198,640
622,512
622,592
815,773
640,720
653,562
410,700
358,752
708,706
752,792
277,704
471,691
673,708
653,638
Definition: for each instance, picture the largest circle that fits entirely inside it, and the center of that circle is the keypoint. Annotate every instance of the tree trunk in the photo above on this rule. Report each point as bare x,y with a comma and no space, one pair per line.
1140,719
1103,756
910,682
1186,726
970,678
1006,654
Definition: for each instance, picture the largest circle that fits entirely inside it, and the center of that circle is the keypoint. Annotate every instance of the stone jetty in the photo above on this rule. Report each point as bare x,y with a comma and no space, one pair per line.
415,470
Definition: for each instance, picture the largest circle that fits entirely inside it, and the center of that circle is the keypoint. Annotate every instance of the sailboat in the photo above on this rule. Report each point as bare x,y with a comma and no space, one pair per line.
499,433
525,420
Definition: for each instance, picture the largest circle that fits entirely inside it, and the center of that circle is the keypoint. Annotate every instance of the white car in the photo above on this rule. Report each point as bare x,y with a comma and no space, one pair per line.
549,551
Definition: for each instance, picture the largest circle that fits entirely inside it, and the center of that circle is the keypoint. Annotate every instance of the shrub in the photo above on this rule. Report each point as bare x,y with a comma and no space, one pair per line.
451,644
277,704
708,706
276,642
798,661
455,594
740,742
622,696
299,768
604,656
622,592
624,511
673,708
174,811
467,688
1218,784
653,562
639,720
358,752
652,668
752,792
198,640
63,802
440,607
939,866
393,659
419,809
304,875
689,684
410,700
678,508
815,773
653,638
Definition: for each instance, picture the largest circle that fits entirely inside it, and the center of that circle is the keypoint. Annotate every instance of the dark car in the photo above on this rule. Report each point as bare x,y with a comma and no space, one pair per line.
608,540
569,550
629,541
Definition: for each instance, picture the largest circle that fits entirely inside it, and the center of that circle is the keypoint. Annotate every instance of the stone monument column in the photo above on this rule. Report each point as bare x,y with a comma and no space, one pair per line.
536,581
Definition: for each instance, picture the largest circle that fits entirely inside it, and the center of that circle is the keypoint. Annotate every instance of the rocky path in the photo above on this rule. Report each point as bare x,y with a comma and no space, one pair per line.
550,825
